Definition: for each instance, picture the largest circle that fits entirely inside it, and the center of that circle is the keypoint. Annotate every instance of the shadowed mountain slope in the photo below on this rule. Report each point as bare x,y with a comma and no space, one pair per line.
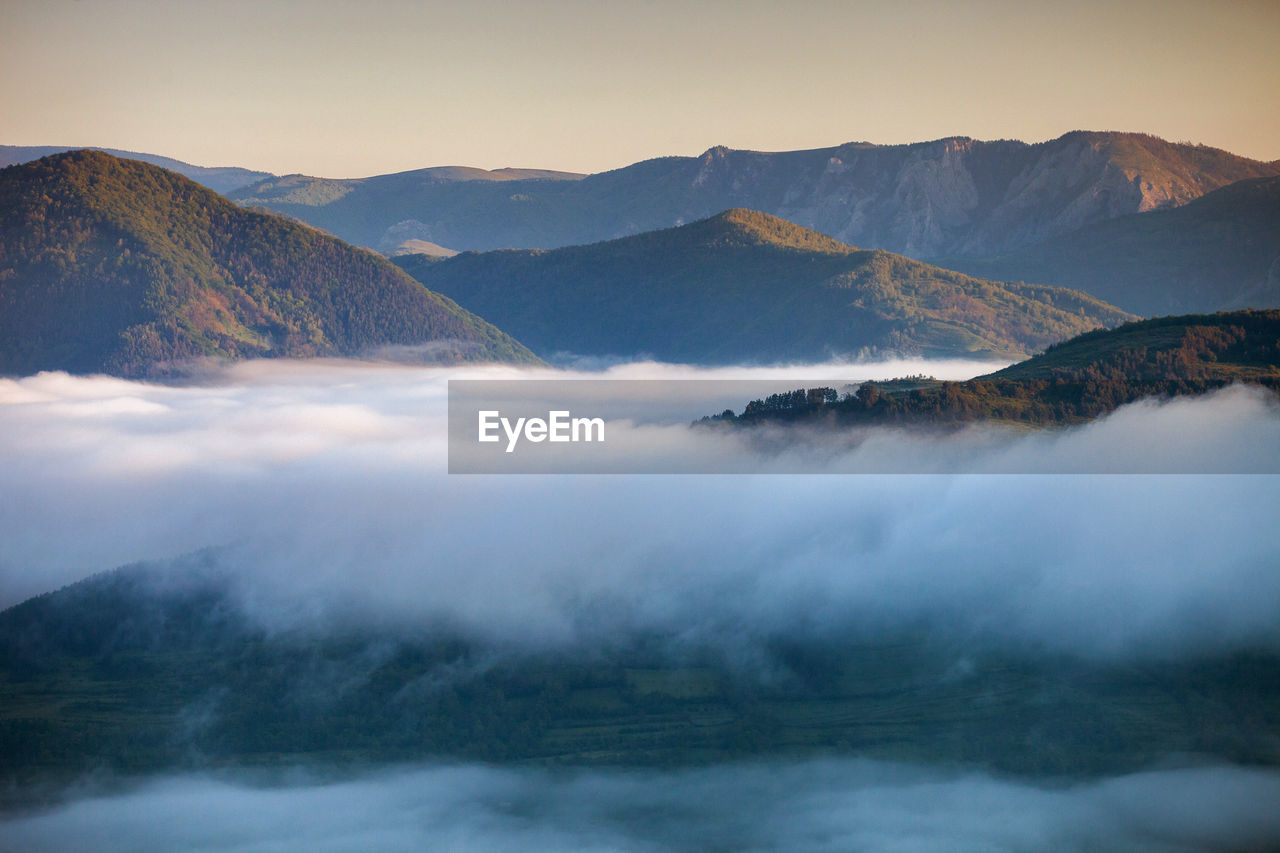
745,286
1219,252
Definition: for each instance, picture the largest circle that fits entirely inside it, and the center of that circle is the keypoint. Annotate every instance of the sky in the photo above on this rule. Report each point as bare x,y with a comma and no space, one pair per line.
345,89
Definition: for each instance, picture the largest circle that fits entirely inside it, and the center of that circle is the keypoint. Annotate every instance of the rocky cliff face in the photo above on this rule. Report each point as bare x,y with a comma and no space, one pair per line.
946,198
966,197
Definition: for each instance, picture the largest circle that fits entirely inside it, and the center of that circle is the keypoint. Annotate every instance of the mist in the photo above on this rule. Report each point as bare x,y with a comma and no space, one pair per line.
321,492
826,805
324,485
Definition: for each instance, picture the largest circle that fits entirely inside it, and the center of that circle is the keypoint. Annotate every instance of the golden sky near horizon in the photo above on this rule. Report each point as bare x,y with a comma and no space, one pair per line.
344,89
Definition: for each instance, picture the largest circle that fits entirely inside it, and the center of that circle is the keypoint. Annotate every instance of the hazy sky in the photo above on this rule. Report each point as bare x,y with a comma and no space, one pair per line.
345,89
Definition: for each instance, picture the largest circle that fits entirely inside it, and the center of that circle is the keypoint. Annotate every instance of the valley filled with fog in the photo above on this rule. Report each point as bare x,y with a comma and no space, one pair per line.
321,490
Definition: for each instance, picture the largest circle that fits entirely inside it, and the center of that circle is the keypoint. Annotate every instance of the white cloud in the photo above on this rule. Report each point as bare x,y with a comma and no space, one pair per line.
328,478
829,805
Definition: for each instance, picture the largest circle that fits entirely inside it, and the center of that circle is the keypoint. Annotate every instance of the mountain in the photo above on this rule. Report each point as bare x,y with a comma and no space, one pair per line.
949,197
744,286
382,212
1219,252
222,179
158,666
119,266
1074,381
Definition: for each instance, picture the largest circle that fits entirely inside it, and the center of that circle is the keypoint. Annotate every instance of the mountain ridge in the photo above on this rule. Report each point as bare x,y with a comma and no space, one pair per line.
746,286
952,196
220,179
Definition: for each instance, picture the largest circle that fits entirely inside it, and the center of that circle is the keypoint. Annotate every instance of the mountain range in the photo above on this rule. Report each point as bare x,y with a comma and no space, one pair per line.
180,279
120,266
744,286
955,197
1100,212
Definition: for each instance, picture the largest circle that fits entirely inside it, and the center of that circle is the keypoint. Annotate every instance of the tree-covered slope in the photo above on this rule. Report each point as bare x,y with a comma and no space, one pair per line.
1219,252
119,266
745,286
1077,380
1226,346
153,667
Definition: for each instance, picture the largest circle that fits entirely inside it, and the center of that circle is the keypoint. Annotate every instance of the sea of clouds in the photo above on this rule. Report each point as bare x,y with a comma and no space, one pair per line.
329,482
325,484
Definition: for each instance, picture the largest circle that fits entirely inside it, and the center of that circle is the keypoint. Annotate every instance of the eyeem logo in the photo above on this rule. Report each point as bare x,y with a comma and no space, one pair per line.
558,426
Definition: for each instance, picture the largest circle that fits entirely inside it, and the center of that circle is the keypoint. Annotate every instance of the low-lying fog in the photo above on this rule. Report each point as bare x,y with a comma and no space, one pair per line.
327,482
828,805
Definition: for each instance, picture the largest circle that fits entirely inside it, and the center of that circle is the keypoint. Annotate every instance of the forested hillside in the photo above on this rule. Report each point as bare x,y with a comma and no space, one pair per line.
744,286
1074,381
119,266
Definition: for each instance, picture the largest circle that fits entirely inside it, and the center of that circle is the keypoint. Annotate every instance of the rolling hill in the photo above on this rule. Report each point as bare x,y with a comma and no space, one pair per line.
744,286
1219,252
1074,381
110,265
949,197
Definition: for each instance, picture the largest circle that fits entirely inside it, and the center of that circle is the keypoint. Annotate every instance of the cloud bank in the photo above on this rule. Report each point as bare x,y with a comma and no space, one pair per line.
829,805
327,480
